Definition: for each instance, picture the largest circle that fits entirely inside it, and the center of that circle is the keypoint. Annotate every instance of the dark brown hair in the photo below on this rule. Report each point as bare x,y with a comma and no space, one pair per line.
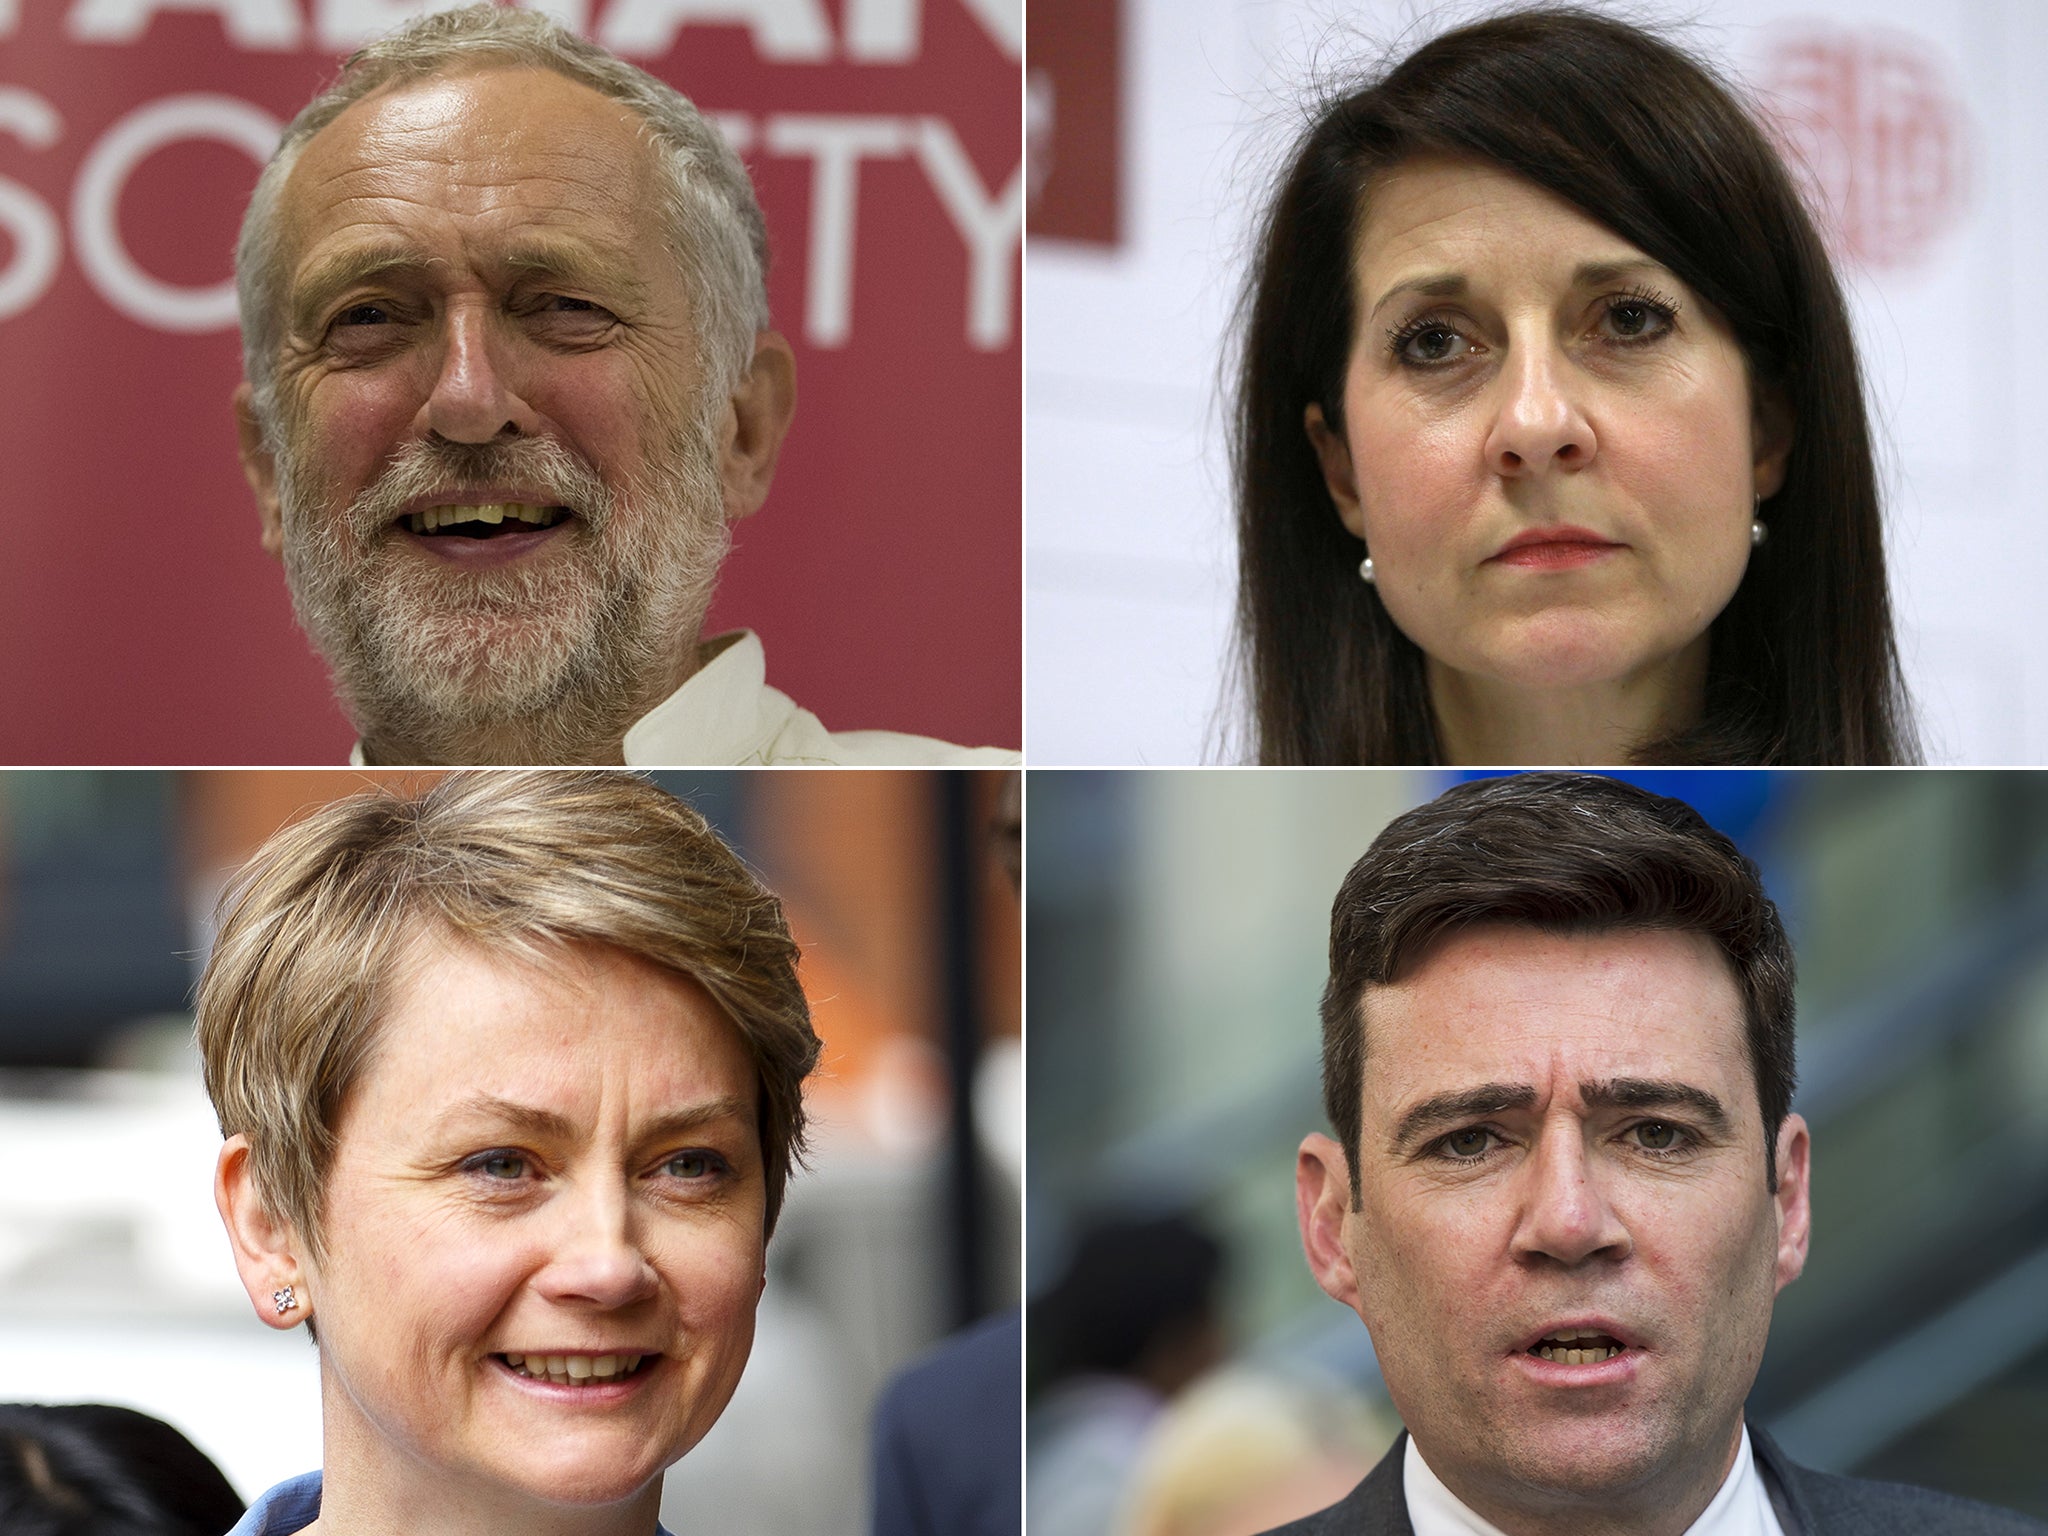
1651,144
1566,853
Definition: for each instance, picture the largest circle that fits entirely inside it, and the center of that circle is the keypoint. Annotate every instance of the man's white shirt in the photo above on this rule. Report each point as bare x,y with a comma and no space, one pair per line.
727,715
1741,1508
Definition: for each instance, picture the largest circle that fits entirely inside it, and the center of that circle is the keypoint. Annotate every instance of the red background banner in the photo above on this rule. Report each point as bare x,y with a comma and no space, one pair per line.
139,620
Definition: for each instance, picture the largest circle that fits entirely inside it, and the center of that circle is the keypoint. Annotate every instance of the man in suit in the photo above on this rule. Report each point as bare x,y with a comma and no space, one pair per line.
1566,1185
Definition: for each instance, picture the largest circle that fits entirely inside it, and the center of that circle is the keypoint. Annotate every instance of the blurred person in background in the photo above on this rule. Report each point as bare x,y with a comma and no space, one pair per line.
1566,1185
1132,1322
1244,1449
510,1075
948,1433
509,383
90,1469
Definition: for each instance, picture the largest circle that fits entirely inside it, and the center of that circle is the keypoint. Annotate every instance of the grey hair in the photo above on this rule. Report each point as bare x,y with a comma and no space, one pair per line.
715,227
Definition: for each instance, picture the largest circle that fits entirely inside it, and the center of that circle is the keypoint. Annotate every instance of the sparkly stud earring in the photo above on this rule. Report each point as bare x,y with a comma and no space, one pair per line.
1757,531
1365,570
285,1299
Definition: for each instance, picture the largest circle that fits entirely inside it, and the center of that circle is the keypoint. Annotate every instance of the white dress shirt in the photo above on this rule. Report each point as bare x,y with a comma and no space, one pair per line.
726,714
1741,1508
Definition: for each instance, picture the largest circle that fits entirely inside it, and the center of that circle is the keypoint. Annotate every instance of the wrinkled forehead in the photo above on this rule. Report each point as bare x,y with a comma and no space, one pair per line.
1440,214
485,146
1555,1010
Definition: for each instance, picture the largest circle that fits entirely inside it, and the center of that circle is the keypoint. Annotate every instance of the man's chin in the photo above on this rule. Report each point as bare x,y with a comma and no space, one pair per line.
1595,1457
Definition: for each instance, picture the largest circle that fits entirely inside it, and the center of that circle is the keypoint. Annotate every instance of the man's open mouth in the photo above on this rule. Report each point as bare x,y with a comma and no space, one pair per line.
484,522
1577,1346
576,1370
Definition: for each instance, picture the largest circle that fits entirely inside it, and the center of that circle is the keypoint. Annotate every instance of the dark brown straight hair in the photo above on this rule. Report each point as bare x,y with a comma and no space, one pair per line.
1648,142
1565,853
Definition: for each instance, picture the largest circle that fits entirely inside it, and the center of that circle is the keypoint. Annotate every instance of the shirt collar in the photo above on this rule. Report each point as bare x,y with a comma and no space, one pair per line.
725,713
1742,1507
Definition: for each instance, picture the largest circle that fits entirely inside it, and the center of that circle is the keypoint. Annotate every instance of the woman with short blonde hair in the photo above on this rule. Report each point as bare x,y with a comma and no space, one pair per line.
510,1073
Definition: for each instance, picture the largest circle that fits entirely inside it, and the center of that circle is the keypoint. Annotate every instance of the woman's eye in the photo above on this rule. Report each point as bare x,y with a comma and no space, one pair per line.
693,1165
1637,319
1430,343
506,1166
1469,1144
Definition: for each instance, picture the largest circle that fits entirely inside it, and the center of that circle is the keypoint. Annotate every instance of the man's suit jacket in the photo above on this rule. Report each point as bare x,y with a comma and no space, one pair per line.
948,1438
1808,1504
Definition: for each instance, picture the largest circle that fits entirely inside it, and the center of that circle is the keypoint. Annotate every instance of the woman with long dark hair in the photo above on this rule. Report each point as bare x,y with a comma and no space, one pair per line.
1550,442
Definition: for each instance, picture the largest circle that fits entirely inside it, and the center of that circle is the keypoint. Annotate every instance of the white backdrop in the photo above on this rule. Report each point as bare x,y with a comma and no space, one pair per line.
1930,133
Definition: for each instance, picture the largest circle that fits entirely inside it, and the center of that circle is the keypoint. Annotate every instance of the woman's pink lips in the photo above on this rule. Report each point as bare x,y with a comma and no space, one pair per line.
1554,549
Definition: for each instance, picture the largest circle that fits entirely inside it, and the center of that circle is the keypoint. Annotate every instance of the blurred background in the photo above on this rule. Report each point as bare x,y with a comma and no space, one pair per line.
1154,130
1177,929
116,1284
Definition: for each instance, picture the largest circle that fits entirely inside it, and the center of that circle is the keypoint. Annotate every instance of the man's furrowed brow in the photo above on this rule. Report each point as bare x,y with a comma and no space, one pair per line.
577,265
333,275
1459,1104
1659,1093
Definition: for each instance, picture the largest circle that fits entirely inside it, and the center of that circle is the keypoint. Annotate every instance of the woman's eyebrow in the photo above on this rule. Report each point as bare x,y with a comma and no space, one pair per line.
547,1124
1592,274
1588,274
1435,285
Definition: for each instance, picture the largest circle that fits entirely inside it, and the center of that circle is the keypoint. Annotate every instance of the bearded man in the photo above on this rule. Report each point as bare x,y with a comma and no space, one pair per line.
509,381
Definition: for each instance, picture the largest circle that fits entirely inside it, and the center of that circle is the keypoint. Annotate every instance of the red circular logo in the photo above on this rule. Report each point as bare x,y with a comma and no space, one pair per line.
1869,119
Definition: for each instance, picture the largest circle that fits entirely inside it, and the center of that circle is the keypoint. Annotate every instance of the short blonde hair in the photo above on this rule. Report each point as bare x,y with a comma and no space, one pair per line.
315,927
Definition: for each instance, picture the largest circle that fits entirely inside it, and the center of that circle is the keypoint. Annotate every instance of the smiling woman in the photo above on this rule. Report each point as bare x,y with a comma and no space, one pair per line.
510,1076
1550,443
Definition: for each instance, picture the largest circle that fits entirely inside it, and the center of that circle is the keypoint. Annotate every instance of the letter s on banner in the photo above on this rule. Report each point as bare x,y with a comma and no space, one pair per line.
96,205
38,243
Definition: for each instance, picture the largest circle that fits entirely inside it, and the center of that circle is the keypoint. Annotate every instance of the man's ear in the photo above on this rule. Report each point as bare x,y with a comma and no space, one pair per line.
267,1251
1773,432
756,421
1794,1198
1322,1199
259,465
1339,475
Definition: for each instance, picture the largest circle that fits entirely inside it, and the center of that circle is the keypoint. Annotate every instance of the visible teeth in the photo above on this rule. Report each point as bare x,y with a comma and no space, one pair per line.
574,1370
433,518
1593,1356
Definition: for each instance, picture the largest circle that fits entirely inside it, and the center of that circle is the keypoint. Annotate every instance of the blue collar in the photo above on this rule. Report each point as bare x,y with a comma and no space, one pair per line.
293,1505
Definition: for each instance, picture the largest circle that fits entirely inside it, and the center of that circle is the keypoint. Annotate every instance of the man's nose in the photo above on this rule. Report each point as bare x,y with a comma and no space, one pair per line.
1565,1213
1539,424
474,400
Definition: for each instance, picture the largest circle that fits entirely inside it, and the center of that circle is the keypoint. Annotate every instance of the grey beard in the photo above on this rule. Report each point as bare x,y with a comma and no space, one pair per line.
523,665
